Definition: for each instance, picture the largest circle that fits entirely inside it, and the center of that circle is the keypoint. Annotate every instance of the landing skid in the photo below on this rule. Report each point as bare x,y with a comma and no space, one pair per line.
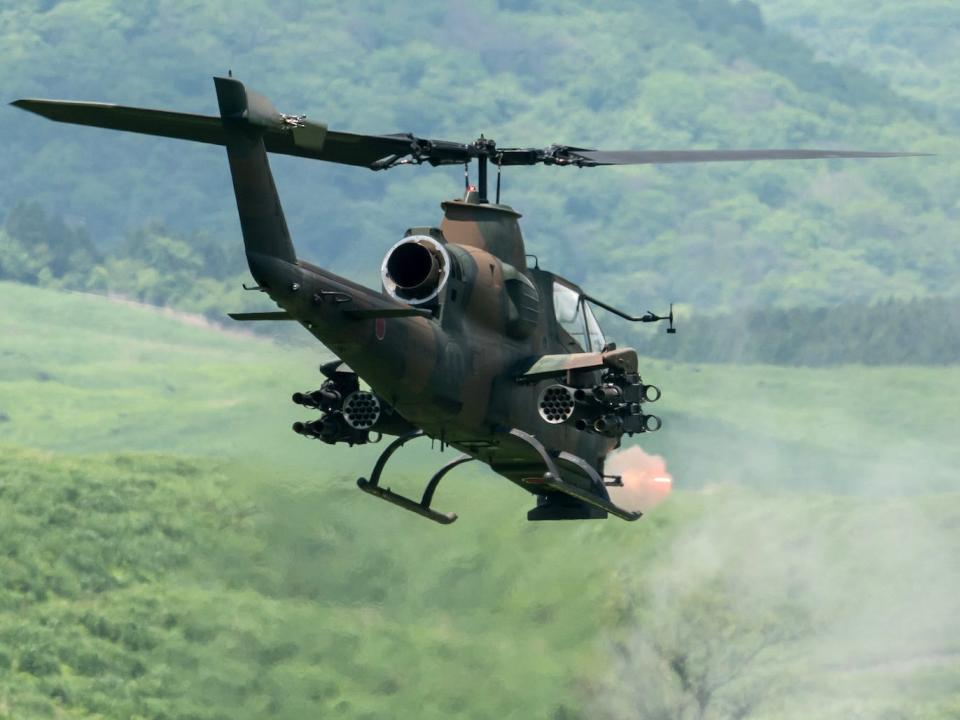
422,508
554,480
585,502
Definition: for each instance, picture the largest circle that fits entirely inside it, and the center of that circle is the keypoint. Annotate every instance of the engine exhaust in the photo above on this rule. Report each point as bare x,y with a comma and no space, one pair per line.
415,270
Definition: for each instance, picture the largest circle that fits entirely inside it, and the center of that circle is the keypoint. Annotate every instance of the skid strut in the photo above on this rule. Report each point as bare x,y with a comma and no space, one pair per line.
554,480
372,486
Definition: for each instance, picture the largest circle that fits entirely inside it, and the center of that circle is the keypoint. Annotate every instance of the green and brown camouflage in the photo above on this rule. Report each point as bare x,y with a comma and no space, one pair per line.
475,368
464,343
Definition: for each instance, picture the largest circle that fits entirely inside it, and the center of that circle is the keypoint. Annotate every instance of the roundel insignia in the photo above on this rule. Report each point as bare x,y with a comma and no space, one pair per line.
380,328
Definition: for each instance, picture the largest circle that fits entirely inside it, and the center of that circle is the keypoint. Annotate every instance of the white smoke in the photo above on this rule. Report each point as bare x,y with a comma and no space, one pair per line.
794,606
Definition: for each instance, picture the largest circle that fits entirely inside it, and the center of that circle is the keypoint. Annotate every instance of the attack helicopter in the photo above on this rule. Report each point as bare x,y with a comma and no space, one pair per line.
465,343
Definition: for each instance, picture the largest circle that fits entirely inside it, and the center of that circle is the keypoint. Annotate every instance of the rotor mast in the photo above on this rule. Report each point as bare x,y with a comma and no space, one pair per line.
485,149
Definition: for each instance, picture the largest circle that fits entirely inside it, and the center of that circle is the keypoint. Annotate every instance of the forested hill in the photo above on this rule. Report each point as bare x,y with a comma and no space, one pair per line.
917,332
914,46
686,73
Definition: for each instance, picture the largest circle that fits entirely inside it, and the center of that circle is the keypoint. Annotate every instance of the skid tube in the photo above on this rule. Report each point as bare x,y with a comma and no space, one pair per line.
422,508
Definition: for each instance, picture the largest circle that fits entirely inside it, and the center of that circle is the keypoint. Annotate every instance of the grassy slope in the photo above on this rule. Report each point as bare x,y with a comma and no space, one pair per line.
86,375
139,584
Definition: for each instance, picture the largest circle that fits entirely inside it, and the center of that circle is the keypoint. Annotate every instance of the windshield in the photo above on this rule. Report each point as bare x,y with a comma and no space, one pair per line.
576,317
594,333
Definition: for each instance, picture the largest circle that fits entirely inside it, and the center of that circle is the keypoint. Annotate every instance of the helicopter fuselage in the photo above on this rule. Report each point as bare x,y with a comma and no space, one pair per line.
457,374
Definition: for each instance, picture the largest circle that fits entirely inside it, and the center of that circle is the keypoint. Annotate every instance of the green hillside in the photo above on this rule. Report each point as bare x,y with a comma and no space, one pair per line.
204,562
915,332
82,373
914,46
171,550
156,587
709,73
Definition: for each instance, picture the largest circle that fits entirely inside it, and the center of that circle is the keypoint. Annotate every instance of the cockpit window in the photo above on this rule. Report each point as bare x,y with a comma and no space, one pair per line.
594,333
576,317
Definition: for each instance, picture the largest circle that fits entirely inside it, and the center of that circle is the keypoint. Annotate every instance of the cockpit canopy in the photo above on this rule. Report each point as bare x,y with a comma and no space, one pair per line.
576,317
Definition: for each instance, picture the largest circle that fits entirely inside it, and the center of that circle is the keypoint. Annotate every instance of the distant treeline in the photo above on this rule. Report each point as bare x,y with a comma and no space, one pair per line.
196,272
203,274
895,332
636,74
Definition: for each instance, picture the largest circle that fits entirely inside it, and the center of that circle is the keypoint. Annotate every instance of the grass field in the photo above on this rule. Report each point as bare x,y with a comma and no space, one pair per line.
170,549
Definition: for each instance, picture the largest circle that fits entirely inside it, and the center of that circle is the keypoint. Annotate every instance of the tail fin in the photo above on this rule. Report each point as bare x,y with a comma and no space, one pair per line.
246,116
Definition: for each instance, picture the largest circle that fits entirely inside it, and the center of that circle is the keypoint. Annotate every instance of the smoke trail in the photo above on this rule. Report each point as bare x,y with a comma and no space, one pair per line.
791,606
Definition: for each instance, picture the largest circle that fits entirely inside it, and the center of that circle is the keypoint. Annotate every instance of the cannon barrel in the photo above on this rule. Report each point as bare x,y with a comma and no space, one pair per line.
608,394
609,425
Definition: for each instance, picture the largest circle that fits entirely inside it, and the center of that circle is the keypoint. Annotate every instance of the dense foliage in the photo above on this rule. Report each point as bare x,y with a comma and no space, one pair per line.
709,73
168,587
170,550
154,587
197,273
264,583
913,46
151,264
918,332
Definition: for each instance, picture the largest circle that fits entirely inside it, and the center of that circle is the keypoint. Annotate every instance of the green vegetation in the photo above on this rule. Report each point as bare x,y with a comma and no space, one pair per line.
145,586
170,550
171,586
198,274
650,74
151,265
913,46
87,374
916,332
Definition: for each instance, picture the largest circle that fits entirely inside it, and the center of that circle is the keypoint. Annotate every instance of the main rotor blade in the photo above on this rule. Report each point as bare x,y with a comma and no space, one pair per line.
661,157
300,138
290,135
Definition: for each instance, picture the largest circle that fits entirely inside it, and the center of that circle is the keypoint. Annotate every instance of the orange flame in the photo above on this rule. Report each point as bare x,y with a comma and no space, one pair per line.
646,480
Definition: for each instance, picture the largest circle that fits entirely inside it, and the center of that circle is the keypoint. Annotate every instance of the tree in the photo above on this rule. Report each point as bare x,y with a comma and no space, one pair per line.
704,650
36,239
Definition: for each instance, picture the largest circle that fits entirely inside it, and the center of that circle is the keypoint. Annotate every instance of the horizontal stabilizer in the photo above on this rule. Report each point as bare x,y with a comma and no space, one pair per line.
250,317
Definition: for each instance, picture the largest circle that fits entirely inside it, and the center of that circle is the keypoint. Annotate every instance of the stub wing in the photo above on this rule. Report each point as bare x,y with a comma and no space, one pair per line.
546,366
